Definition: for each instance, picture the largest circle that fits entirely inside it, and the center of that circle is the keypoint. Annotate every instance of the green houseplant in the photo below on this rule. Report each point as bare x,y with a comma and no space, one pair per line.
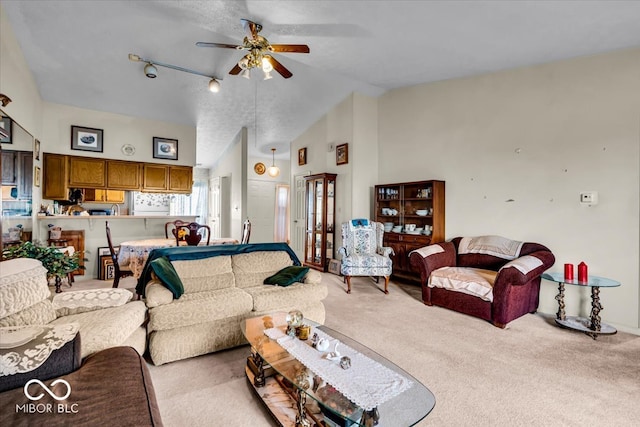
58,263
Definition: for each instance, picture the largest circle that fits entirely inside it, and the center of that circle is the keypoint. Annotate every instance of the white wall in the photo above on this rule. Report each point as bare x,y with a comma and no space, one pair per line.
233,164
516,148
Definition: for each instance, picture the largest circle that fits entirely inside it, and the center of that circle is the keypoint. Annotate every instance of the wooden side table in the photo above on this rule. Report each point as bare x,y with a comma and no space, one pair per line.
592,326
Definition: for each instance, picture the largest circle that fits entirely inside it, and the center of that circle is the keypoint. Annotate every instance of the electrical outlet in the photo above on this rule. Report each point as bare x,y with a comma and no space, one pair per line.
589,197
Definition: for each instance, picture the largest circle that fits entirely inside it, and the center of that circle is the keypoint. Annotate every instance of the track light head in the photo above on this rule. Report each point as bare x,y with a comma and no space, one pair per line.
150,71
214,86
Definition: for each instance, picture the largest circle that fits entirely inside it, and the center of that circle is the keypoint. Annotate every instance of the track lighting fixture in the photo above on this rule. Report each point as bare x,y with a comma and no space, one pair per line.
151,71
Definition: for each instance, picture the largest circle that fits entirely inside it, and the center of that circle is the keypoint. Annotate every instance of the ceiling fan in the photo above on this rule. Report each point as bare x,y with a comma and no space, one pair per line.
260,50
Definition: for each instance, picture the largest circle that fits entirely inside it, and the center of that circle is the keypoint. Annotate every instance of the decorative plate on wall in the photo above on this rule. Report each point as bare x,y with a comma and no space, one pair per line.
128,149
259,168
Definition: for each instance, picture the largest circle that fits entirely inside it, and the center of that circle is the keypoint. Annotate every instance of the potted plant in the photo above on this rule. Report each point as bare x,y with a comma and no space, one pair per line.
57,262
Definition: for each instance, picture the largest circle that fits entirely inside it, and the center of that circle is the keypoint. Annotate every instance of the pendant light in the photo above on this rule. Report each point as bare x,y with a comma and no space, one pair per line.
273,170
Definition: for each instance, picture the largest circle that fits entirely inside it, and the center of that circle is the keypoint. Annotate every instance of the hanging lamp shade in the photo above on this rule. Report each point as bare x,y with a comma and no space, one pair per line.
273,170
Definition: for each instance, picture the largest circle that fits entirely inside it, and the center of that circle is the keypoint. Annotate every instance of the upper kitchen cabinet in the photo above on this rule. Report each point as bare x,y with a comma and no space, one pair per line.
167,179
55,176
17,171
9,168
180,179
85,172
155,177
123,175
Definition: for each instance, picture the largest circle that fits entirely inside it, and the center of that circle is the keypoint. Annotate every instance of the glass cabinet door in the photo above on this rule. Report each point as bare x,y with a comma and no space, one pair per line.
320,220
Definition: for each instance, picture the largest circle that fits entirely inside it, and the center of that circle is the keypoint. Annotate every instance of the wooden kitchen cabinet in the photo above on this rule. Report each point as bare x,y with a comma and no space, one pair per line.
92,195
17,171
420,203
155,177
123,175
86,172
55,176
167,179
180,179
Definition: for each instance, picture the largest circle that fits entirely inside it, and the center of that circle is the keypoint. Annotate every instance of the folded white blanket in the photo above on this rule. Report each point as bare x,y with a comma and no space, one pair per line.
498,246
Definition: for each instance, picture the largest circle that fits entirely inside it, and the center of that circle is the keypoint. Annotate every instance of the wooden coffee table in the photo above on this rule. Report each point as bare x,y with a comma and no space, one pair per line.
295,396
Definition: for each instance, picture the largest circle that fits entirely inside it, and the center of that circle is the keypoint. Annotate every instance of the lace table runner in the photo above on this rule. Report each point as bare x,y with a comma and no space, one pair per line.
366,383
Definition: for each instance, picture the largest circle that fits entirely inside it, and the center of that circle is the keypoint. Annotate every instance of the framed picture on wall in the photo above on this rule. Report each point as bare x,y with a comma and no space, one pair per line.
86,139
342,154
36,177
5,130
36,149
302,156
164,148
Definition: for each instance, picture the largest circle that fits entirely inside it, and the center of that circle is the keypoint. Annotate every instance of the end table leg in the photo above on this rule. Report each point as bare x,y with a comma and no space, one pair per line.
58,284
259,380
596,307
301,418
370,418
560,298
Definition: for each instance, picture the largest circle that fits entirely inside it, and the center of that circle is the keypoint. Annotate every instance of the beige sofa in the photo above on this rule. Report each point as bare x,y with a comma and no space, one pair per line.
105,317
221,289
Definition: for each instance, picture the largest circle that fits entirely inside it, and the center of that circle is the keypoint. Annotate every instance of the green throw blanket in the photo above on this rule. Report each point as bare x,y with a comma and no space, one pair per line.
180,253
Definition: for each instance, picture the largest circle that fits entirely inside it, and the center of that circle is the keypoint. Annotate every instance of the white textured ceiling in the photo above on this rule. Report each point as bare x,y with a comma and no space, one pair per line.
77,51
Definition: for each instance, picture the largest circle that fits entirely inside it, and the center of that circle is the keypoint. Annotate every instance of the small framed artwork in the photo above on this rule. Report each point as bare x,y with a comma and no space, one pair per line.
36,177
342,154
36,149
302,156
164,148
86,139
107,271
5,130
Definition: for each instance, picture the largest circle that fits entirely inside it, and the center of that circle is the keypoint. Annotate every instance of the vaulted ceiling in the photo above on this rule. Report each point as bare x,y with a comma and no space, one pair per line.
77,51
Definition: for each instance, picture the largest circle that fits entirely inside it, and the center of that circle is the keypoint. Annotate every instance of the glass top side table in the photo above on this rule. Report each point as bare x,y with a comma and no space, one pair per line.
592,325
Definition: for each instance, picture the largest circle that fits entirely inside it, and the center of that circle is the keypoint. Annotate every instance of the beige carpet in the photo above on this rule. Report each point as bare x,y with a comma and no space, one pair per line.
532,373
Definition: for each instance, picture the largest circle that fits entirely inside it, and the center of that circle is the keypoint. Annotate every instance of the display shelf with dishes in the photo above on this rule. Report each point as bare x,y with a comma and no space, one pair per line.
320,221
413,216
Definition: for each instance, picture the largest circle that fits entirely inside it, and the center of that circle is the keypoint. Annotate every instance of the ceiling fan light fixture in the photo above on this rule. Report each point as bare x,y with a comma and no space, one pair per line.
150,71
273,170
214,86
266,65
267,75
246,73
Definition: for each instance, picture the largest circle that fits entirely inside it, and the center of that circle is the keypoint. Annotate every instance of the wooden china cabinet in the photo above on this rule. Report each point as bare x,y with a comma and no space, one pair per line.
407,205
320,220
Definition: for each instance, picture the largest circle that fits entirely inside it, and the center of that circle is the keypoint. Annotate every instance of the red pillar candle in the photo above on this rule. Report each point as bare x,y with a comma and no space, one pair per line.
582,273
568,272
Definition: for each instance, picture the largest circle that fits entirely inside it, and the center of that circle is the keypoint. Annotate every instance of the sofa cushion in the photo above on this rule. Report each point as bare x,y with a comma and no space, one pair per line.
200,307
156,294
38,314
252,268
206,274
471,281
75,302
287,276
267,298
164,271
108,327
23,283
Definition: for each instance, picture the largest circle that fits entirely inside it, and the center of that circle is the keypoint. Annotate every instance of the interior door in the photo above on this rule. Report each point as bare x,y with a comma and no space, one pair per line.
261,204
299,215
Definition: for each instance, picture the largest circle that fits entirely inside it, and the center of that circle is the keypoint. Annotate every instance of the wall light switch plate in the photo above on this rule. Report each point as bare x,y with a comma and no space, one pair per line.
589,197
331,147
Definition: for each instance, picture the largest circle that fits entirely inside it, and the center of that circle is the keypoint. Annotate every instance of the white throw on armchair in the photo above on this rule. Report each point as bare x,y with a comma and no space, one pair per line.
362,251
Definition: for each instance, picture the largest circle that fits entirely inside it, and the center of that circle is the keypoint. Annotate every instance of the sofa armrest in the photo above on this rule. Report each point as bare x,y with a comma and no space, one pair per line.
521,271
157,294
312,277
61,361
432,257
385,251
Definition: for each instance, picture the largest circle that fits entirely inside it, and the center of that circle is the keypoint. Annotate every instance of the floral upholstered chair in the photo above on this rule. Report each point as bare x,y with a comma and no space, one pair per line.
362,252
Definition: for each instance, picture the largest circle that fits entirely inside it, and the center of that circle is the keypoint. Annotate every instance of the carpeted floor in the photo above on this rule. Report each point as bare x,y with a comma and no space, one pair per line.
532,373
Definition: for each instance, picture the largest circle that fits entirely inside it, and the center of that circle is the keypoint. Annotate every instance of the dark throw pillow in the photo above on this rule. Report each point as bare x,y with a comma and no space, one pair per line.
165,272
287,276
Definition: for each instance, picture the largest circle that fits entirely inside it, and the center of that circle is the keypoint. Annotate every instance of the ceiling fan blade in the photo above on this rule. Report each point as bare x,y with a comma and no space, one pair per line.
290,48
279,67
251,28
224,45
235,70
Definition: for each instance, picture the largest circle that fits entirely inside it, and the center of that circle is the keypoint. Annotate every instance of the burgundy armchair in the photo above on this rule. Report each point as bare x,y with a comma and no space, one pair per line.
489,277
